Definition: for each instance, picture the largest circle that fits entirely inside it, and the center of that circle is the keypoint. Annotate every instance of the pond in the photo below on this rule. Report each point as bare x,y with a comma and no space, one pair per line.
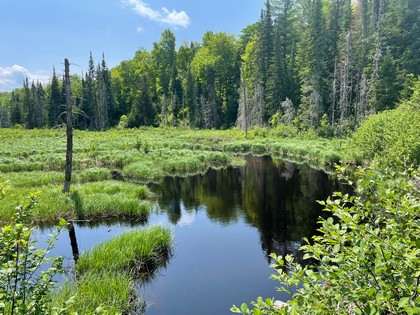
225,224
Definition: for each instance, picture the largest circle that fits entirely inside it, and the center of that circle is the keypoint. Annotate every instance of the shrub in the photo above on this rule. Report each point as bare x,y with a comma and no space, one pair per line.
392,137
26,282
366,260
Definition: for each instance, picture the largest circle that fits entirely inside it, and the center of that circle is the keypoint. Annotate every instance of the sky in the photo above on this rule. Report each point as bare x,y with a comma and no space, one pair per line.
36,36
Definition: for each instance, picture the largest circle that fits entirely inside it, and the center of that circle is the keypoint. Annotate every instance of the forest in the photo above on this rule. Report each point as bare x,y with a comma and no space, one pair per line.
321,65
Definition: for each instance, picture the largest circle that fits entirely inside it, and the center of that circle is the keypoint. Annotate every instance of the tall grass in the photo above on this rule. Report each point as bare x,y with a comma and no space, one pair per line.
106,275
113,293
111,199
136,252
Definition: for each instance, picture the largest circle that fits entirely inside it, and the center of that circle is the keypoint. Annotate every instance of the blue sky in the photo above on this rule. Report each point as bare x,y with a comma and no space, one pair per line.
37,35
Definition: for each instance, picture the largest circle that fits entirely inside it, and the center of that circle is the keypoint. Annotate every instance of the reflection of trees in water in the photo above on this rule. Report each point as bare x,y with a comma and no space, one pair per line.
277,197
280,200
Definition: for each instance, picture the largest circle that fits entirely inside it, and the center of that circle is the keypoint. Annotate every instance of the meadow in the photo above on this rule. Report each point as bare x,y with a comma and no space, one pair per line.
112,168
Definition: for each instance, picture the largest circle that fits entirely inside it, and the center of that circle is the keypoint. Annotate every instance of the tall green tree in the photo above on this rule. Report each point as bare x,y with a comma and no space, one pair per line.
54,107
89,97
16,112
142,112
313,59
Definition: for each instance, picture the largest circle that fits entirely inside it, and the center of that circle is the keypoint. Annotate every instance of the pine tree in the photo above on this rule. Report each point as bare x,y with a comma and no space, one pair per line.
192,104
89,97
16,114
313,59
142,112
54,101
103,98
28,105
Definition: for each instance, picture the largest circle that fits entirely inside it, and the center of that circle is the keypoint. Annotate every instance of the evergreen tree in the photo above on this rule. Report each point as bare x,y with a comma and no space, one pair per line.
142,112
89,97
103,103
37,101
191,101
16,113
265,43
313,66
28,106
54,101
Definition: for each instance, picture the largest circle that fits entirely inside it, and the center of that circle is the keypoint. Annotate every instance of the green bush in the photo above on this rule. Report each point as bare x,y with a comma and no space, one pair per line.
26,274
391,137
366,259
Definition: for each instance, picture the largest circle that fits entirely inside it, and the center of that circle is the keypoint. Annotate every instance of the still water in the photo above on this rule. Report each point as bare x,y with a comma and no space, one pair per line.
225,223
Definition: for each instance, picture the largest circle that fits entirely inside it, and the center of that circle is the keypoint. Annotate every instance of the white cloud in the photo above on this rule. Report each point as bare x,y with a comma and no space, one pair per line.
172,18
12,77
176,18
139,29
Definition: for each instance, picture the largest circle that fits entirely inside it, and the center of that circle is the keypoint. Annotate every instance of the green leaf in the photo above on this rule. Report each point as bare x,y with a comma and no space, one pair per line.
244,308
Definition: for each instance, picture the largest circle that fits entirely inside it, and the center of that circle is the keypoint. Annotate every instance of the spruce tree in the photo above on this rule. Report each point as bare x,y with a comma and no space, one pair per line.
54,102
313,61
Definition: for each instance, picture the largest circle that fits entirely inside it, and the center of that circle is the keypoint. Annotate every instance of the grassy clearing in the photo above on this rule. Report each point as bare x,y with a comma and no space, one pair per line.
33,160
106,274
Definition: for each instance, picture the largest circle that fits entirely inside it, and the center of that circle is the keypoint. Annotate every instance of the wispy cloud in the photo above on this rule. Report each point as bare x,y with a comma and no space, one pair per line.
12,77
172,18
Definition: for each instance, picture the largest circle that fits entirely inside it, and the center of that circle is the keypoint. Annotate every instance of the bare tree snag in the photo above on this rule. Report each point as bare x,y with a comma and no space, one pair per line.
69,151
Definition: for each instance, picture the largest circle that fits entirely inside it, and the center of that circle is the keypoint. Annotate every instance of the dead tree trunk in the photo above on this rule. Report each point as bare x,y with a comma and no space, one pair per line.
69,151
69,155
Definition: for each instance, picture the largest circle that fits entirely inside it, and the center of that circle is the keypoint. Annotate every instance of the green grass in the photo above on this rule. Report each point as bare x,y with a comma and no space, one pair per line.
113,292
136,252
33,160
111,199
106,275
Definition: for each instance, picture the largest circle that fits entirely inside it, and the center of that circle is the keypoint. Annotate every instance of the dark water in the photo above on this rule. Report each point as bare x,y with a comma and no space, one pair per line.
225,223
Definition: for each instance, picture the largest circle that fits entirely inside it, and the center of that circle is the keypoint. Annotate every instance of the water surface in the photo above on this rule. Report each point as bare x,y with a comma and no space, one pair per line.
225,224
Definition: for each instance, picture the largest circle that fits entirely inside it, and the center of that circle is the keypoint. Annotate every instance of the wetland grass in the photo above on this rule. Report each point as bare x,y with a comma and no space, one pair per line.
107,274
114,293
137,252
33,160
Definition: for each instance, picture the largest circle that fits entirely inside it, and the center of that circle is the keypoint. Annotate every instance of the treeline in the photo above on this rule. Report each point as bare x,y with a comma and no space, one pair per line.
322,64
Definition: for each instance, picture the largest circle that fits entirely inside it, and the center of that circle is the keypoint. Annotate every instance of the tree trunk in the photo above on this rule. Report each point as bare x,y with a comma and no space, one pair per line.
69,152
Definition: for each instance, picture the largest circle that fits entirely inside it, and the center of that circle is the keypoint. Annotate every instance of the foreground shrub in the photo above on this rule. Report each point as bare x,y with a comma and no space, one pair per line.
367,258
26,274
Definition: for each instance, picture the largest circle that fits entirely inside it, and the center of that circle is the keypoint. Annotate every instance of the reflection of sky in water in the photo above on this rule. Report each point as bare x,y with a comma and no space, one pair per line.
187,218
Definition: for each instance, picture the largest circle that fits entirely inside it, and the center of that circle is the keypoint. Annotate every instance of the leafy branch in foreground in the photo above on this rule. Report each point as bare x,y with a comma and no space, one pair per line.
366,259
26,273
